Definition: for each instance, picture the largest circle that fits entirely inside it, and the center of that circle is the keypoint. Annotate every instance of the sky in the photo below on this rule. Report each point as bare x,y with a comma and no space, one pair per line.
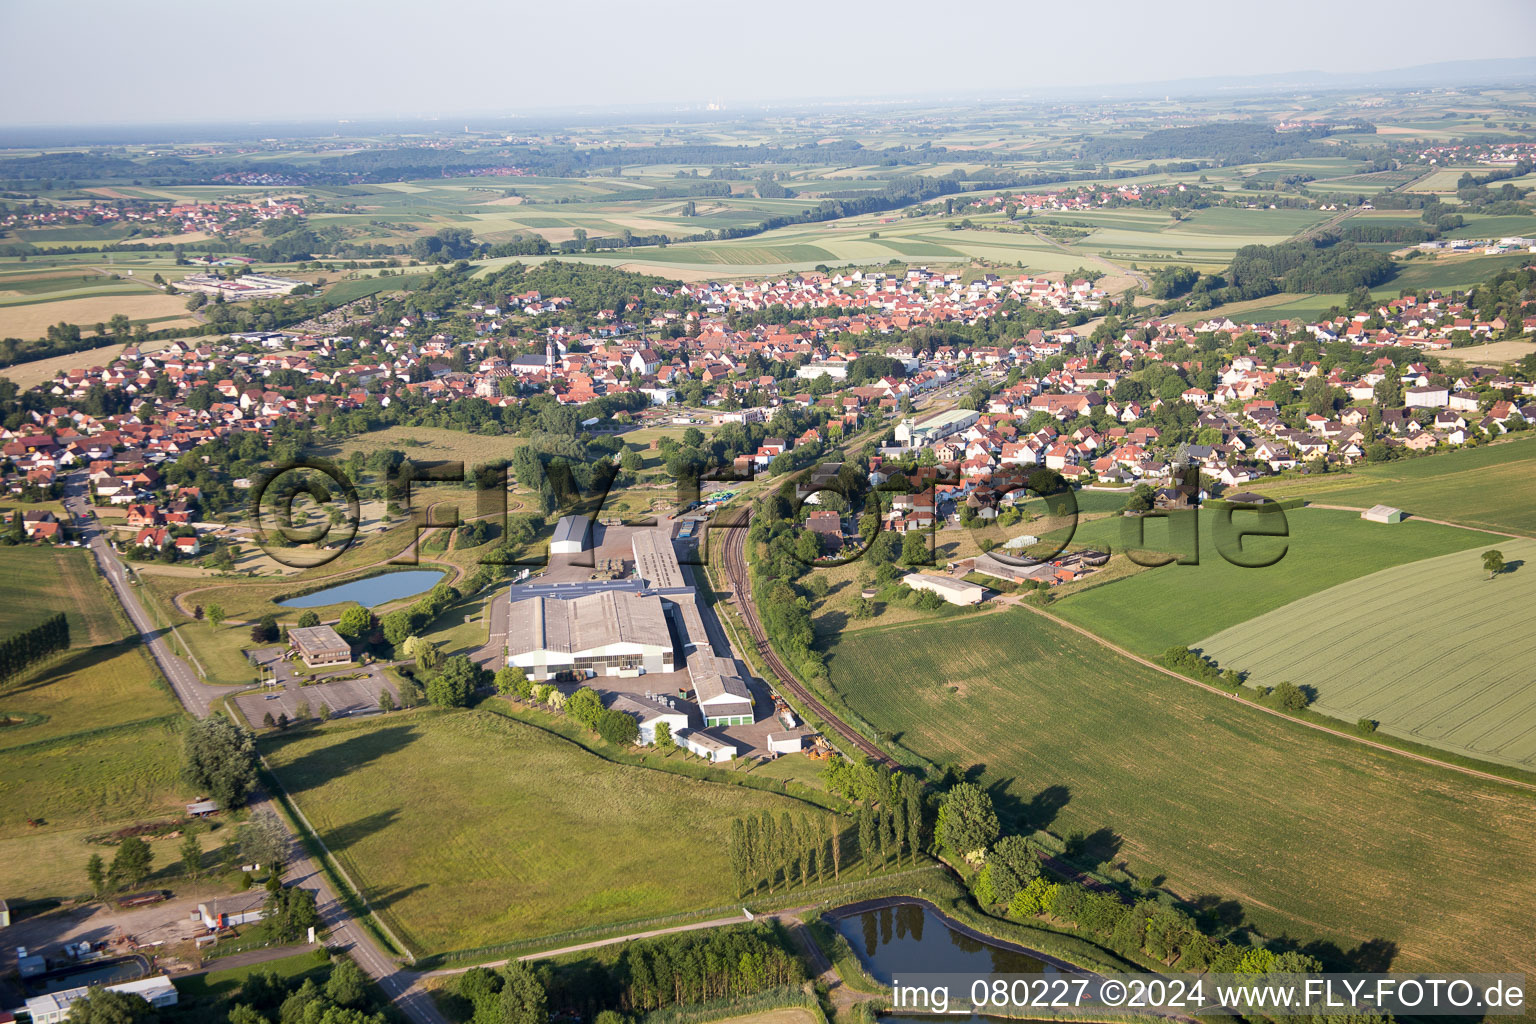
95,62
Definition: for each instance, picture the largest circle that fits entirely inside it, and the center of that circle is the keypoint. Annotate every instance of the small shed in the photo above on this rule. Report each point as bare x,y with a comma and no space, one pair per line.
1382,514
202,808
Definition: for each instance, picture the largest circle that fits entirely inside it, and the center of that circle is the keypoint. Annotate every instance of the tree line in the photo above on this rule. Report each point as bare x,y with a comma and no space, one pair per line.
25,649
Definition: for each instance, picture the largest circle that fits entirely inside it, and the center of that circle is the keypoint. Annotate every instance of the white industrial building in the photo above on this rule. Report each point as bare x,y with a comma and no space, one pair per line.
952,590
650,712
573,535
610,633
53,1008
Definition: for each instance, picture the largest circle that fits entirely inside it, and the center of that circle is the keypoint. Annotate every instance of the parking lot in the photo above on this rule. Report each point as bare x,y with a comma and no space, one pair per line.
342,696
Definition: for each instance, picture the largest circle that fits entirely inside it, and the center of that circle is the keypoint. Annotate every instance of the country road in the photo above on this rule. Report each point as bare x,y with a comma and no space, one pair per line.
198,698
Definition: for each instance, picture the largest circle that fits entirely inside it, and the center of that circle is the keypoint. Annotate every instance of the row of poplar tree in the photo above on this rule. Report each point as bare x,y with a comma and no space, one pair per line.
766,851
30,646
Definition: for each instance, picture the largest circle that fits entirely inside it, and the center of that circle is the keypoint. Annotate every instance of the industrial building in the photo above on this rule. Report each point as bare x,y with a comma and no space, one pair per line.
573,535
650,711
935,428
952,590
320,645
54,1007
611,633
656,560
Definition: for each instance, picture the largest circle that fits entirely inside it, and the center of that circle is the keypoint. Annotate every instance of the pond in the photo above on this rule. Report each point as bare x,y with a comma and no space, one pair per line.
99,972
371,592
911,940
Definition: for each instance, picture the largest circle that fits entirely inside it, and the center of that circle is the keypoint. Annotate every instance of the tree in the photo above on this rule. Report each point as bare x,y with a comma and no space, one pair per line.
967,821
308,619
215,615
1291,698
512,682
386,702
131,864
262,839
914,549
664,740
191,856
1493,562
291,911
96,874
347,986
104,1006
456,683
584,706
428,657
523,999
354,622
219,758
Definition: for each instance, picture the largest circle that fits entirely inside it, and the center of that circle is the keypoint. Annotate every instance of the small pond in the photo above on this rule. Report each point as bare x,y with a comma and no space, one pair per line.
372,591
912,940
97,972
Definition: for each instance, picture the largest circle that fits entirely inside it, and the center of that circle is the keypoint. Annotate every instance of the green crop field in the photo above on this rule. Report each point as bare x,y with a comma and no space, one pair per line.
1178,604
1491,488
1313,837
1453,672
468,828
57,580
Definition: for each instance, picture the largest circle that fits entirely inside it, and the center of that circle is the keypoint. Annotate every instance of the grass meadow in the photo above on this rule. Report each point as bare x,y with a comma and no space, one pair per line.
57,580
1150,611
1301,834
467,828
1451,670
1492,487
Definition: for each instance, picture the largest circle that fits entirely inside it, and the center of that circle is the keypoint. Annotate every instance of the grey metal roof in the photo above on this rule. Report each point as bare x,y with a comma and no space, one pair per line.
573,528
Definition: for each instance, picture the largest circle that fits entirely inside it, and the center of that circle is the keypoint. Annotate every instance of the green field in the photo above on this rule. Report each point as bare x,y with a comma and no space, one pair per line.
1178,604
92,737
1491,487
56,580
1313,837
1453,672
468,829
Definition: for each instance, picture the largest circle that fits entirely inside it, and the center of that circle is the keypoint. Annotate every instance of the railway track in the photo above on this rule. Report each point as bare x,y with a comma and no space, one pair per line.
733,551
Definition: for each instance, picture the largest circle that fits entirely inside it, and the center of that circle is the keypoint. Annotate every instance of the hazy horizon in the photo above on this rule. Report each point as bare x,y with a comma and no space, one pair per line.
290,62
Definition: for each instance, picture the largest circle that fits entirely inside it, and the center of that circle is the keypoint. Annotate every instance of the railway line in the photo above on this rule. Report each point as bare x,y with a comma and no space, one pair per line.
733,551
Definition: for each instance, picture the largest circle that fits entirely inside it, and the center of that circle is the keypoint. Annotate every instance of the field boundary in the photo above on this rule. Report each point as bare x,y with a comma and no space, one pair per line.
1318,726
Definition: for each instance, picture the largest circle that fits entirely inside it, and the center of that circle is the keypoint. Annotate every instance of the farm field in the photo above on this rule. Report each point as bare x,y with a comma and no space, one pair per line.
468,828
77,785
57,580
1313,837
32,319
1453,674
1150,611
1491,487
95,742
89,688
1493,352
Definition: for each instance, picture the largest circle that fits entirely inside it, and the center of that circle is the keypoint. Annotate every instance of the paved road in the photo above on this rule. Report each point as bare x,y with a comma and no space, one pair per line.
198,697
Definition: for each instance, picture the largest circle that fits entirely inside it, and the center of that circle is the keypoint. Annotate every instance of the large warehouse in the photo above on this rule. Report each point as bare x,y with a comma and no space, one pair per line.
610,633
